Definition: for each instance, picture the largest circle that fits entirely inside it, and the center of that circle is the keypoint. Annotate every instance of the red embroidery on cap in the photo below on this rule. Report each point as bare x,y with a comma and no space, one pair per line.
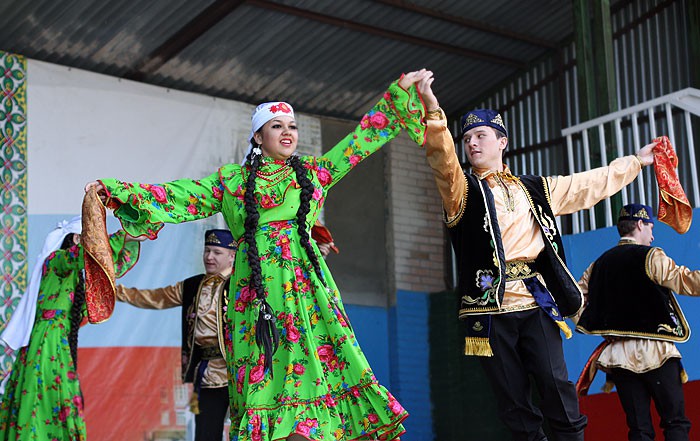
281,107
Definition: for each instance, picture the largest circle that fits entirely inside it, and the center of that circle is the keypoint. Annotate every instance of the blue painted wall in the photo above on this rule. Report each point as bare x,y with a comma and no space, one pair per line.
371,326
410,370
395,342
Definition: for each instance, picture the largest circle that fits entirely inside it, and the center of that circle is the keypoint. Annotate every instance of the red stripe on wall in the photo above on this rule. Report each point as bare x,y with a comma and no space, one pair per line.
606,419
132,393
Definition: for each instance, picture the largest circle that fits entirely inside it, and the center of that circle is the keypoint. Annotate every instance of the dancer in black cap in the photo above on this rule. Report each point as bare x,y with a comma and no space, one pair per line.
630,302
514,285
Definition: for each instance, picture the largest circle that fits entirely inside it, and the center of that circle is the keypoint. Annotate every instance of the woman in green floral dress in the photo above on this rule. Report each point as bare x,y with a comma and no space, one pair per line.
43,400
296,370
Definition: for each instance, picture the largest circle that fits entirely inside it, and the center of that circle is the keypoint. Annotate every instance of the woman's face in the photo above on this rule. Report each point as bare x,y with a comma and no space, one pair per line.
278,137
70,240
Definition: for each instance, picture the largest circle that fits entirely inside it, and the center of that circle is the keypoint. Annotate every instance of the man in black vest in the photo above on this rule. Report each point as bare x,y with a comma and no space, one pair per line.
514,286
203,298
630,302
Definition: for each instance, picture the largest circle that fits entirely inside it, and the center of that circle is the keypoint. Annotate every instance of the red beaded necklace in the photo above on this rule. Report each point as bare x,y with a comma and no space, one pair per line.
276,175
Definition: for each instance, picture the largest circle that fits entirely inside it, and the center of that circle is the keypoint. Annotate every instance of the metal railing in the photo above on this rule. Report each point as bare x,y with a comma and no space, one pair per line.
671,115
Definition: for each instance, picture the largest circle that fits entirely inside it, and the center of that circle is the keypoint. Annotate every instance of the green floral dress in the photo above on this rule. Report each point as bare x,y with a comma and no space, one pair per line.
42,400
322,387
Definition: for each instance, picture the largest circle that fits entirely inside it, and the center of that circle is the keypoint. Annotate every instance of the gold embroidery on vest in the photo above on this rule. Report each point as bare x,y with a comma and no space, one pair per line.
519,270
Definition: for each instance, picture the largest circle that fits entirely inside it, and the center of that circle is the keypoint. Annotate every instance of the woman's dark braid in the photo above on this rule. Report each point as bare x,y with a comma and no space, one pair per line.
76,317
251,225
76,312
266,333
307,191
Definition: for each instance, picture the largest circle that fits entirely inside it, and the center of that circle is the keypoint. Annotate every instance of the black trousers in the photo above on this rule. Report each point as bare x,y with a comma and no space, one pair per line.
528,343
209,422
663,385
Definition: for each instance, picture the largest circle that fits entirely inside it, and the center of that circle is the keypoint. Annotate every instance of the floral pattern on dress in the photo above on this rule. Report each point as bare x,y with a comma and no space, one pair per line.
321,385
42,399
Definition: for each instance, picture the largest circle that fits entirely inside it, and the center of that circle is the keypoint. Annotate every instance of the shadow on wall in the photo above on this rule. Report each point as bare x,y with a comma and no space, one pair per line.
464,406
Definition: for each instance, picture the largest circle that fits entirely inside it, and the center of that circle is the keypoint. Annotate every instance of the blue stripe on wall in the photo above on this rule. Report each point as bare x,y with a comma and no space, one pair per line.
410,358
370,326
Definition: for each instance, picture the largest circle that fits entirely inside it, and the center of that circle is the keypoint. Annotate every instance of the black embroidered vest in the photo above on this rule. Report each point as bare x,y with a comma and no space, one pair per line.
623,301
191,353
476,239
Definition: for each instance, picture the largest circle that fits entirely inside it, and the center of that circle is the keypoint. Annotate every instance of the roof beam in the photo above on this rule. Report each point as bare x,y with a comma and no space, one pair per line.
467,23
360,27
191,31
644,17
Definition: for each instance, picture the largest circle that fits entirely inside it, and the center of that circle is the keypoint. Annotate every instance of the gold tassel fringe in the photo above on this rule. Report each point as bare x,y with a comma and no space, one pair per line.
478,346
194,403
564,328
684,376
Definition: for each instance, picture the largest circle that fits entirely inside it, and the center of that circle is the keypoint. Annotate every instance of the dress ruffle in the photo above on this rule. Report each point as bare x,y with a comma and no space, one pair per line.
360,413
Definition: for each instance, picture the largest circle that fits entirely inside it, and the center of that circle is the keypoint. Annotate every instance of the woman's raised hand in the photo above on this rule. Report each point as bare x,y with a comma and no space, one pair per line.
423,79
101,192
414,77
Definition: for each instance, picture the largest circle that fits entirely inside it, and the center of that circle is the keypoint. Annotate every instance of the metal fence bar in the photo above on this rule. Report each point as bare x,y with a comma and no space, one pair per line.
652,122
604,161
587,163
669,123
620,153
640,178
647,172
570,154
691,154
676,98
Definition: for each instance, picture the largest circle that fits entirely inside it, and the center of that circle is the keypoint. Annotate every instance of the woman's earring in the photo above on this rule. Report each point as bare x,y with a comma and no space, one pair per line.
257,151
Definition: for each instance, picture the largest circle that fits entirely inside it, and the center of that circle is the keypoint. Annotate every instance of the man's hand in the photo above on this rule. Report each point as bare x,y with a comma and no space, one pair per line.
646,154
415,77
426,90
325,248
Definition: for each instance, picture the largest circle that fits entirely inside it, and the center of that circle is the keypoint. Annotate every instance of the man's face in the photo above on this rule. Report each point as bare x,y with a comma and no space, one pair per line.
483,148
217,260
646,236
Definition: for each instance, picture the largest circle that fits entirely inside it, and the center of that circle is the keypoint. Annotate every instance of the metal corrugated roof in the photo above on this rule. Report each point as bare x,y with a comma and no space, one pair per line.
325,57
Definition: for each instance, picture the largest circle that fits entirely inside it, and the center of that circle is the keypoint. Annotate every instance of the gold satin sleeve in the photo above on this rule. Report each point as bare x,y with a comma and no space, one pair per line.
678,278
583,284
585,278
442,158
157,298
585,189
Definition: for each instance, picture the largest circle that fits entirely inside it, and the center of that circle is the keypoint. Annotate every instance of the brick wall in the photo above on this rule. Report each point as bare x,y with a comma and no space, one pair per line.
415,231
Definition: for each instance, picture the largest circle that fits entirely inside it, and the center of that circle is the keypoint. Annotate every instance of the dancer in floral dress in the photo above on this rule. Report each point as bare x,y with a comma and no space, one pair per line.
295,368
43,400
